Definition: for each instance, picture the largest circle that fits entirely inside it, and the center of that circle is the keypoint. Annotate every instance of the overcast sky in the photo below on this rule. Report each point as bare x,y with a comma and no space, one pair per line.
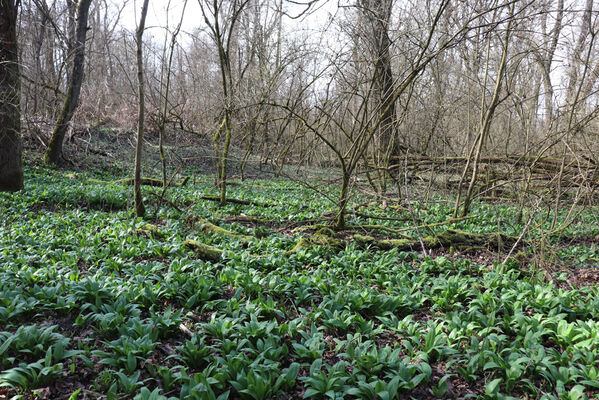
192,19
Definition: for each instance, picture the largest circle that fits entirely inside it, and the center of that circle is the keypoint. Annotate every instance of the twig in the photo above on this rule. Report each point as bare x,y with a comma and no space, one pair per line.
185,330
165,200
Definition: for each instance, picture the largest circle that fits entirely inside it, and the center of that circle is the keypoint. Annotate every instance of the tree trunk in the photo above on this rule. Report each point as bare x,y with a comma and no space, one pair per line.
577,55
546,64
378,15
224,160
221,26
167,85
11,168
140,209
54,150
339,222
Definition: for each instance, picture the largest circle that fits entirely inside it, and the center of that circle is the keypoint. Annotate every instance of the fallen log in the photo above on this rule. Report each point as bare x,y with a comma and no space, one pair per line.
250,219
397,231
214,254
237,201
460,240
144,181
208,227
150,230
326,237
204,251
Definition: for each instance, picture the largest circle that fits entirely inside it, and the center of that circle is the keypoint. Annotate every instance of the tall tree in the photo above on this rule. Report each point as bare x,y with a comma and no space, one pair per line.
140,209
54,150
11,168
377,17
221,17
546,54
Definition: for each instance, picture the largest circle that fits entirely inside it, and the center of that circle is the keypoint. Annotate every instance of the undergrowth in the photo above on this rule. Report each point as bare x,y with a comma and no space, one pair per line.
92,304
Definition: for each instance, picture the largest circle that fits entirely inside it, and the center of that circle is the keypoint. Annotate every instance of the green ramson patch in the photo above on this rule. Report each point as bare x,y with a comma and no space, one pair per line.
93,300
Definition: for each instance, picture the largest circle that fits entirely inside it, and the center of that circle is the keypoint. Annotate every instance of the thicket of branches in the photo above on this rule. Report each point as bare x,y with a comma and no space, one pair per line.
487,98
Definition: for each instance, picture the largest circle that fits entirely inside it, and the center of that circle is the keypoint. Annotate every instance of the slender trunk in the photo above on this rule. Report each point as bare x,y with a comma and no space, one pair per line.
222,32
223,155
54,150
140,209
576,62
11,167
166,95
485,123
546,64
343,200
223,160
39,41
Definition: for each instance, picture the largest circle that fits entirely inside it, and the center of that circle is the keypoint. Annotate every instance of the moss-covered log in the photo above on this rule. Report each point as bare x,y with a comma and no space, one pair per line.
208,227
326,237
150,230
448,238
204,251
303,243
305,228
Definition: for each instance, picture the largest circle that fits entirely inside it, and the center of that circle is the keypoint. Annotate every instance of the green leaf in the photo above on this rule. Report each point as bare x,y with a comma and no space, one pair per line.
75,394
492,387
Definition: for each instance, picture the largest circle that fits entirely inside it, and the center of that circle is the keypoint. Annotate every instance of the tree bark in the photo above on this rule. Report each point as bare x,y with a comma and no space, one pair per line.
577,55
11,167
377,14
339,222
54,150
140,209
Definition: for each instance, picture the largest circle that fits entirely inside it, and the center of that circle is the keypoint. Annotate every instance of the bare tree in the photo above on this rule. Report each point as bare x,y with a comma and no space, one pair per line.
140,209
165,82
377,18
221,16
11,168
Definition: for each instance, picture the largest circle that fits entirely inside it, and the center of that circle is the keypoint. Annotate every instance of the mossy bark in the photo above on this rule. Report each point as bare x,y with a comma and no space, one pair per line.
204,251
208,227
11,167
301,244
150,230
448,238
339,222
326,237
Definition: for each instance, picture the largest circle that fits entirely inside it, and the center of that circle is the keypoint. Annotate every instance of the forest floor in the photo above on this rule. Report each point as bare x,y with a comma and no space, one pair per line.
98,304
